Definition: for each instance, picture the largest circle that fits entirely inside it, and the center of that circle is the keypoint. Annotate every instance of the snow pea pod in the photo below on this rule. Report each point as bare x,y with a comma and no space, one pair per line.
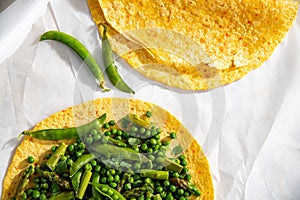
80,162
108,191
110,67
66,133
80,49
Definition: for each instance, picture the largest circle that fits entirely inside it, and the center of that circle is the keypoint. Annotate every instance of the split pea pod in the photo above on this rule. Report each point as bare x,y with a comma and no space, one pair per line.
80,49
108,191
109,64
66,133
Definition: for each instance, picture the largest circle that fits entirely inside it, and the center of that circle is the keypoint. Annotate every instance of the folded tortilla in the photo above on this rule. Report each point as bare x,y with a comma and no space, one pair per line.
115,108
195,45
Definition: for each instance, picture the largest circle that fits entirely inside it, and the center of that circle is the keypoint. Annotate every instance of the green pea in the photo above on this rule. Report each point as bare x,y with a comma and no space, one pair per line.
181,157
69,161
172,188
134,129
44,186
151,157
169,196
148,180
43,197
88,167
118,137
150,150
103,180
159,159
29,192
109,192
148,113
30,159
111,122
81,146
116,178
78,154
36,194
183,163
159,189
130,179
103,171
71,147
153,141
144,147
97,138
24,196
97,168
137,165
113,130
148,133
36,180
110,178
94,132
173,135
157,137
93,163
111,172
115,197
104,140
104,189
175,174
188,177
163,194
182,198
184,170
113,184
127,186
187,194
53,148
89,140
106,125
166,183
142,130
180,191
107,133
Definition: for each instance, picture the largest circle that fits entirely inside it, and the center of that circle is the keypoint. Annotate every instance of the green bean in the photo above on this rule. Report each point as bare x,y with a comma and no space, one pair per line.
24,181
80,49
108,191
76,180
63,196
84,183
80,162
110,67
59,152
66,133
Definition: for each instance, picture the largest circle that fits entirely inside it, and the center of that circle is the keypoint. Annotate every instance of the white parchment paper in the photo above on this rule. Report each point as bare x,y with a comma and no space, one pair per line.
249,129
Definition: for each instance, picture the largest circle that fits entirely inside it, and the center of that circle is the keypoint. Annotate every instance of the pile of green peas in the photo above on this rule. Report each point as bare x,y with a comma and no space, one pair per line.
149,143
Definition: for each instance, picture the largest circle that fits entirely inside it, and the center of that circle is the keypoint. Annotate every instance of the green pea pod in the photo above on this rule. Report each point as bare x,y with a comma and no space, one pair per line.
95,179
80,162
66,133
110,67
80,49
108,191
76,181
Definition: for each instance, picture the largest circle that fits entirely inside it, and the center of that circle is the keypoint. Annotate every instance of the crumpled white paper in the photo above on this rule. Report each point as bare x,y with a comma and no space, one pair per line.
249,129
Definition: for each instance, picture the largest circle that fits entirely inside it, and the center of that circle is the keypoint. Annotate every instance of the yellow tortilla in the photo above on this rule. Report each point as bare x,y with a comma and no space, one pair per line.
116,109
195,45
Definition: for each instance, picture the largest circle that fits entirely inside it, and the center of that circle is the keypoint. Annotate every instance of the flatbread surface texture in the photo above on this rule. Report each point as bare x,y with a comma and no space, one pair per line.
195,45
115,109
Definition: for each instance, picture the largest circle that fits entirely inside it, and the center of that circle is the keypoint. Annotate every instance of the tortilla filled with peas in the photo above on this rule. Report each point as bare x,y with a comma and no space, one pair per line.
109,148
